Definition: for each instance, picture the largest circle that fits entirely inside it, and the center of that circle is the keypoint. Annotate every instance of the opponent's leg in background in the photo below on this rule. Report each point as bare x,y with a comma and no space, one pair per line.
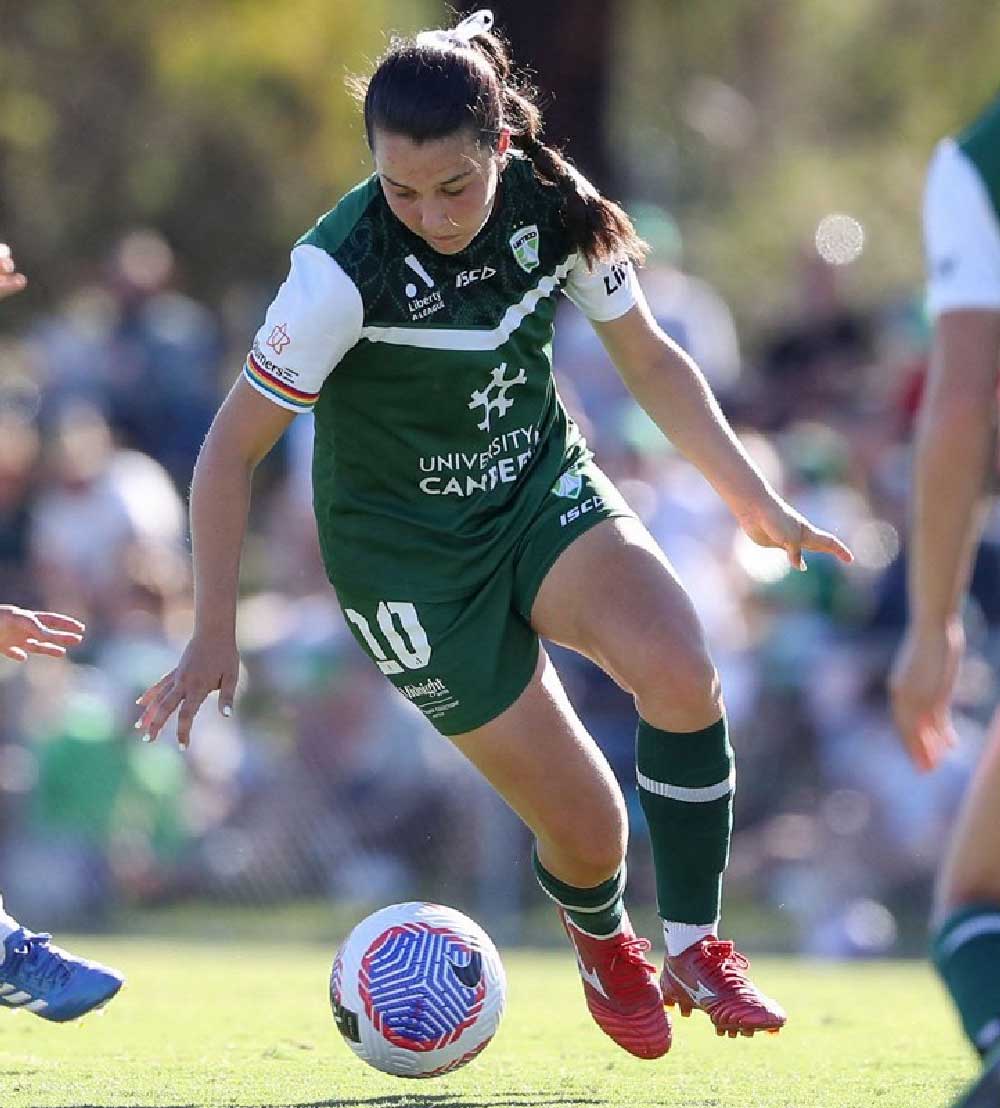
38,977
539,757
641,628
966,944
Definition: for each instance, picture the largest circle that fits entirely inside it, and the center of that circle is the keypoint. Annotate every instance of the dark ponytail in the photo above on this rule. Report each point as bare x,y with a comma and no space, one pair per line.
598,227
443,81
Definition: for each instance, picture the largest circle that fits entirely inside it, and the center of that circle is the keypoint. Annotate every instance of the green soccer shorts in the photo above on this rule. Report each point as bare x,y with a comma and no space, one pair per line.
463,662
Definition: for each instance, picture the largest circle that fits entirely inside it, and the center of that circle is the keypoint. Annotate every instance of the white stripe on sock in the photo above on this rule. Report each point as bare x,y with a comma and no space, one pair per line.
988,1035
969,930
619,890
624,925
680,792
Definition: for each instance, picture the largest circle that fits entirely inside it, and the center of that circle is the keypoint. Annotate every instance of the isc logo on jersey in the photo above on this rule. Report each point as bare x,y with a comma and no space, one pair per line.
470,276
588,505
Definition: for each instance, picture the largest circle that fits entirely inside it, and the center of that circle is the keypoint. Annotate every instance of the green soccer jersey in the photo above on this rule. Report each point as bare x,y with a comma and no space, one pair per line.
962,218
980,142
438,427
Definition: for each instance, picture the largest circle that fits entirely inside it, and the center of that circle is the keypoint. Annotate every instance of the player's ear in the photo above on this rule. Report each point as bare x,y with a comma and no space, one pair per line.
503,143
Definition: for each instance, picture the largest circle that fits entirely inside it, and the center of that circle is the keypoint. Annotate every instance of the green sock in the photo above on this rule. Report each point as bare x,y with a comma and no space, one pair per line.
966,951
597,910
686,781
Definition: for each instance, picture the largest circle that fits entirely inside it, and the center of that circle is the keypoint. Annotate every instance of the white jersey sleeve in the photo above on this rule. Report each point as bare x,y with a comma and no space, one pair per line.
961,235
603,291
313,321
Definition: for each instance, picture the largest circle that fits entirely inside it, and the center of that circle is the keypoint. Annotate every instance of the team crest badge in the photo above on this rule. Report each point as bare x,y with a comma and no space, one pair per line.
568,486
524,243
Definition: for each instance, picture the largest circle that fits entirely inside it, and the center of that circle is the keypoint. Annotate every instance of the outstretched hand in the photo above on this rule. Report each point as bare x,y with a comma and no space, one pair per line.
777,525
206,666
23,632
10,280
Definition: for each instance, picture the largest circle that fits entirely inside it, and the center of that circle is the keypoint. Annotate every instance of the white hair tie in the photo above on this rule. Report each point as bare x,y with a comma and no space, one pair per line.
462,35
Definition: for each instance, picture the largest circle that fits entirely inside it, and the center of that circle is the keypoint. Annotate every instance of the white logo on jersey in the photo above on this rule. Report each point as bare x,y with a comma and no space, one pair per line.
524,243
411,289
591,504
468,276
500,403
500,461
420,307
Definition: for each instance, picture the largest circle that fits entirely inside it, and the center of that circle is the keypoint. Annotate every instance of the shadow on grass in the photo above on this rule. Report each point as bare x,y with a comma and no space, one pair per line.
413,1100
452,1100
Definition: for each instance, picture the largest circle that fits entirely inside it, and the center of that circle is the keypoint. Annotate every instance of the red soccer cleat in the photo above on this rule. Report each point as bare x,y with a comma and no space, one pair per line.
620,989
711,975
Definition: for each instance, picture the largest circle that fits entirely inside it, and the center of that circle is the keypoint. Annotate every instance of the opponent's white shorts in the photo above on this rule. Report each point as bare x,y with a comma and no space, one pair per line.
961,235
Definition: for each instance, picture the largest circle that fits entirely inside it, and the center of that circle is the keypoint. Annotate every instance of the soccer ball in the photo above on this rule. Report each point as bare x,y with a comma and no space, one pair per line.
417,989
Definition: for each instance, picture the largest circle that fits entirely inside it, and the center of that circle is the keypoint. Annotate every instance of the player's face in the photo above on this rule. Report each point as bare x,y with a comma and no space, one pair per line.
442,190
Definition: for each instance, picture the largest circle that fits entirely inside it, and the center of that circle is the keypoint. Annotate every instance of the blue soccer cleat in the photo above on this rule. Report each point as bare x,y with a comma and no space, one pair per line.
54,984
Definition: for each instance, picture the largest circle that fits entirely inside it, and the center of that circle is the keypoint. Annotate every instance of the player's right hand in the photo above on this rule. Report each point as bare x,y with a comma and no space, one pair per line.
23,632
921,685
206,666
10,280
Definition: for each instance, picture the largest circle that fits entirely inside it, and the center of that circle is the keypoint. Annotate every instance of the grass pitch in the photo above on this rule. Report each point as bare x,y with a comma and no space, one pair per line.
247,1025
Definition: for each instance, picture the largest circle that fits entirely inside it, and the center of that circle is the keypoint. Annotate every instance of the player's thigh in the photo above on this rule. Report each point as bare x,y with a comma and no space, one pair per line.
613,596
475,669
460,662
540,758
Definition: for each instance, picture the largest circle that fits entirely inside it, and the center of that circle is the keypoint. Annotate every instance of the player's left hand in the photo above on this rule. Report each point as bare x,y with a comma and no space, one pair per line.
776,524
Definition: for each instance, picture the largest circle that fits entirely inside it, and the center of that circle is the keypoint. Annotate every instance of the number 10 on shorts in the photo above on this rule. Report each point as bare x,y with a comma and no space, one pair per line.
403,636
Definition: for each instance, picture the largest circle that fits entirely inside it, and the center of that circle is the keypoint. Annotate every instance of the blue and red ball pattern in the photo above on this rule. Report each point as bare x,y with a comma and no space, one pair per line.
421,986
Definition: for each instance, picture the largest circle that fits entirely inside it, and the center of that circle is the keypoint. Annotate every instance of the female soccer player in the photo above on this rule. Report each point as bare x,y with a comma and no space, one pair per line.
461,515
955,453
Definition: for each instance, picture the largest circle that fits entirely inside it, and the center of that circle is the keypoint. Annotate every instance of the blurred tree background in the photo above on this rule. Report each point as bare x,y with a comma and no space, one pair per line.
226,123
223,123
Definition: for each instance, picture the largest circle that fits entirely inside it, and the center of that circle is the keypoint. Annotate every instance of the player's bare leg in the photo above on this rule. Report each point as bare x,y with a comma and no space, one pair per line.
640,627
539,757
971,868
967,910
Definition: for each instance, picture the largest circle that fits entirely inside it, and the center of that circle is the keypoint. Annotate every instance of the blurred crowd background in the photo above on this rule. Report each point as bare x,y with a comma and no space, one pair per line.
156,162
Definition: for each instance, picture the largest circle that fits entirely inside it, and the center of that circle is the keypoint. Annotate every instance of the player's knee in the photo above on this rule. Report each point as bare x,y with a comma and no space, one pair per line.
682,684
591,843
592,862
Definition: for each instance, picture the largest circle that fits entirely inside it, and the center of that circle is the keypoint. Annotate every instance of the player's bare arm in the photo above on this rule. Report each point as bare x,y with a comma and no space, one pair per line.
673,391
10,280
243,432
954,450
